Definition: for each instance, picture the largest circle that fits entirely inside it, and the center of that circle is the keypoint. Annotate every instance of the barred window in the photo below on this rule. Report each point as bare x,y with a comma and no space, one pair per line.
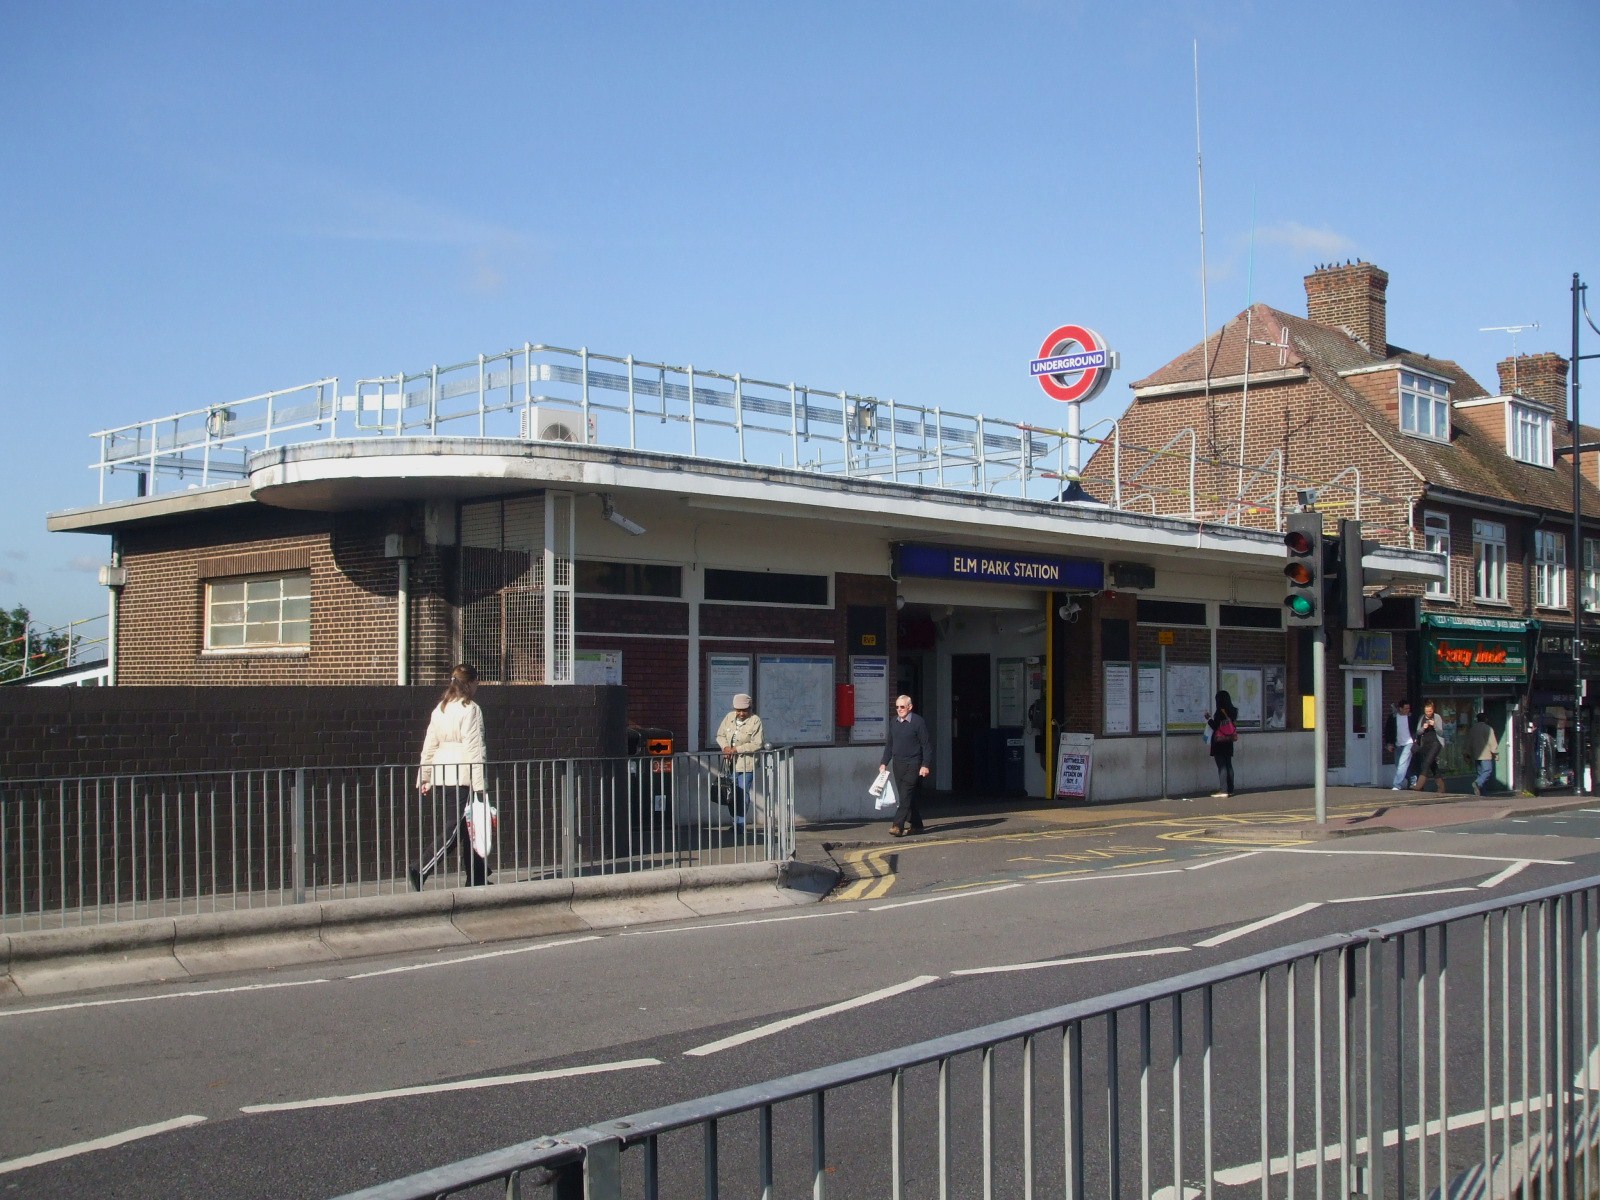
259,611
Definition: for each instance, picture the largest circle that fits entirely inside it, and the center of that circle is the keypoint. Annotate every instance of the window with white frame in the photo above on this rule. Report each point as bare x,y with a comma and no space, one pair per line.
1489,561
1531,435
1549,568
259,612
1425,406
1591,575
1436,529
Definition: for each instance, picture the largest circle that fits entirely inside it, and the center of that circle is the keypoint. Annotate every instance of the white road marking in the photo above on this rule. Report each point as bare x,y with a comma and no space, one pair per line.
1513,869
1112,875
1166,1193
460,1085
1217,862
248,987
832,912
100,1143
1071,962
1494,858
471,958
1251,1172
739,1039
1401,895
1004,887
1228,936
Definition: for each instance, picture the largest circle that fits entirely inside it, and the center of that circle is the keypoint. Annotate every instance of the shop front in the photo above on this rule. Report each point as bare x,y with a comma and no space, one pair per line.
1554,700
1481,664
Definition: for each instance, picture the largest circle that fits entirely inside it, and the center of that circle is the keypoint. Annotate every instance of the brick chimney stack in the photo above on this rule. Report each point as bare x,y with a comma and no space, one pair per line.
1541,377
1351,297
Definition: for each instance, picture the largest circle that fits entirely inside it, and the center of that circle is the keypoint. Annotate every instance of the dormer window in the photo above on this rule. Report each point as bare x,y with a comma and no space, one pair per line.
1425,406
1530,434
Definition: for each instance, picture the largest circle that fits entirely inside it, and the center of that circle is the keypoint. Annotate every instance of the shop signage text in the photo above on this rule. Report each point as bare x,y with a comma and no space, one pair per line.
1475,660
998,566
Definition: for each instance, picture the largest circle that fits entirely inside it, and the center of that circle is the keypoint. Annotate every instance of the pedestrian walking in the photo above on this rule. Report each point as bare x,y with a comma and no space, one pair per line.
908,751
1483,744
452,761
1223,720
1430,745
1402,742
740,735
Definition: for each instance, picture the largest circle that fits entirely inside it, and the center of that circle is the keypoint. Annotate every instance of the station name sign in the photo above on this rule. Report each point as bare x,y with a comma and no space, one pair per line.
999,566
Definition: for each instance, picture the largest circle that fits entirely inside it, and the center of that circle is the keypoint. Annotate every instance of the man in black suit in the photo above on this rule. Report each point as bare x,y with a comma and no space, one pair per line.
909,748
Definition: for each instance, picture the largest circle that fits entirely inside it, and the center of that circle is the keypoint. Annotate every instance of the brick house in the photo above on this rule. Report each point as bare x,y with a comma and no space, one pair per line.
1325,409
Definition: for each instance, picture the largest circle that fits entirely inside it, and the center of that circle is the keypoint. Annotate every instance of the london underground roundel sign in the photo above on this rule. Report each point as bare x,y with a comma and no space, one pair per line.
1073,364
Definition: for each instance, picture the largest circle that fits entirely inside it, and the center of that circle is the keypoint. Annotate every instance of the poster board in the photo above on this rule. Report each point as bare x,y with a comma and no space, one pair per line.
726,676
1074,765
1118,692
869,675
794,695
1275,697
1244,685
1188,695
1149,698
597,666
1011,681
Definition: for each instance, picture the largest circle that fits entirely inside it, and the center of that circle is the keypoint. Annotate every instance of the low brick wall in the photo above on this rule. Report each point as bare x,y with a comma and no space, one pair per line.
62,732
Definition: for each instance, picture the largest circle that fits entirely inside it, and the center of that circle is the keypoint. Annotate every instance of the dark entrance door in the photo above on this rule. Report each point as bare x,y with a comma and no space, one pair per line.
969,723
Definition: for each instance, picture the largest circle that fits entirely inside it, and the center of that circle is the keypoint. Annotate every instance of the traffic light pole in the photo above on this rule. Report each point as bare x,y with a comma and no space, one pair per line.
1319,735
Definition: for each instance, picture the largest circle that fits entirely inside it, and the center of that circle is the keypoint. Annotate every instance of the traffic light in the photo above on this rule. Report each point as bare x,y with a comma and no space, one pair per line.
1303,574
1355,604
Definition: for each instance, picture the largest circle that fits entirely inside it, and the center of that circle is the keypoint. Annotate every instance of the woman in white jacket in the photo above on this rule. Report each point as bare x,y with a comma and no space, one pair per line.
452,759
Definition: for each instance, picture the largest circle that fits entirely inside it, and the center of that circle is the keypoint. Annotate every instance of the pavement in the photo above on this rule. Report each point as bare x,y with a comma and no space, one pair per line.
54,961
1284,813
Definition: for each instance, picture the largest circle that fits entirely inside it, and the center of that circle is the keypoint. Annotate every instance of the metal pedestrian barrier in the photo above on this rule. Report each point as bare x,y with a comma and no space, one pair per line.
1449,1056
101,850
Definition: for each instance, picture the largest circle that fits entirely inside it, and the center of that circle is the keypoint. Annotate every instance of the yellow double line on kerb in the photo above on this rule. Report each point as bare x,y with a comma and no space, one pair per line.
874,874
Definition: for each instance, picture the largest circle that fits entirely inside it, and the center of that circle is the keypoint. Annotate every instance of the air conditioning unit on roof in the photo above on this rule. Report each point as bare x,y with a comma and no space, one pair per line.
545,423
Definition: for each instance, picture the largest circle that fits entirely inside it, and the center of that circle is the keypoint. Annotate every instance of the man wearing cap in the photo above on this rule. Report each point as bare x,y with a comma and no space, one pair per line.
908,751
740,735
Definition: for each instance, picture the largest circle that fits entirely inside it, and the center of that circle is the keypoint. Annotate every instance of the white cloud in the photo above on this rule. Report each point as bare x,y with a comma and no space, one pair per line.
87,564
1302,239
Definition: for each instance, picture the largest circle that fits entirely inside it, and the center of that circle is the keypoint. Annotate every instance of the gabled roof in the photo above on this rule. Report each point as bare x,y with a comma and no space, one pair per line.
1280,344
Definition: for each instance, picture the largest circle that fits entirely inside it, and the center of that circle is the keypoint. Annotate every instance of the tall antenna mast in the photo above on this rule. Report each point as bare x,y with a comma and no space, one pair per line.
1513,330
1200,177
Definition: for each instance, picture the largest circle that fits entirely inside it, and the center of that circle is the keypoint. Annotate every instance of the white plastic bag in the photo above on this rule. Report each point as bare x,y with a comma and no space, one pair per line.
482,818
887,801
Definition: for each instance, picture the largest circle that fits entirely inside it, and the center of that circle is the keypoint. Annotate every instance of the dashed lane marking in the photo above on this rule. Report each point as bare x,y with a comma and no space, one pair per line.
816,1014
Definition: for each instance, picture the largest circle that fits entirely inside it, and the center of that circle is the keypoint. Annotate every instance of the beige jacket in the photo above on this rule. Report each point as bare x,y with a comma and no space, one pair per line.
746,737
454,742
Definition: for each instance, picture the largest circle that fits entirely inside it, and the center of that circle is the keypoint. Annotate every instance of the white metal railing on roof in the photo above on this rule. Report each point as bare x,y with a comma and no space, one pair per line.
50,650
600,399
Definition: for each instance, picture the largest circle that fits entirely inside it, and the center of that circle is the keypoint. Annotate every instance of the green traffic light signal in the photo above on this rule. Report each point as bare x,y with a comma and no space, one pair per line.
1303,573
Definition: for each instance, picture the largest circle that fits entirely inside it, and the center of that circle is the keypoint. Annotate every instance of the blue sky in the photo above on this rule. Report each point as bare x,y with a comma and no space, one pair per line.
202,202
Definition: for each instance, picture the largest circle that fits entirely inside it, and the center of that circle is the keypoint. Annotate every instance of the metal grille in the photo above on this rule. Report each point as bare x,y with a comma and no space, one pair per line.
503,603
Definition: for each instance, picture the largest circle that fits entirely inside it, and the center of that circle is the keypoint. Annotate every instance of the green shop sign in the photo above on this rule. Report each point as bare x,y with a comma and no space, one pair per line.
1475,650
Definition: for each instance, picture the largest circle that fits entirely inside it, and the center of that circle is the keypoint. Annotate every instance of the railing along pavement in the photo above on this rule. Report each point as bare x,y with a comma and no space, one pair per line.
1452,1054
123,847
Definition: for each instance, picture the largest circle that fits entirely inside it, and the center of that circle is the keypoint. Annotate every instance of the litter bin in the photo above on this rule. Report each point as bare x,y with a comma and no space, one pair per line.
649,788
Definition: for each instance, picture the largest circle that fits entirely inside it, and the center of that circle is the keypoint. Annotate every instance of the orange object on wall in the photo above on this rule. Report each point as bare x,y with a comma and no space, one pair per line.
844,705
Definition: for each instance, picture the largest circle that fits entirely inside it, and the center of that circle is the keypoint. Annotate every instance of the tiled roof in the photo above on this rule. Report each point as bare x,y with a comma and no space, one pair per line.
1471,463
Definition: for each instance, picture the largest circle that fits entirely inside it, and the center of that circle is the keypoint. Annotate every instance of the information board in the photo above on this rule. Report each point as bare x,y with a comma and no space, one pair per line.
597,666
1074,764
795,694
1244,685
1119,697
726,676
1188,695
869,673
1149,698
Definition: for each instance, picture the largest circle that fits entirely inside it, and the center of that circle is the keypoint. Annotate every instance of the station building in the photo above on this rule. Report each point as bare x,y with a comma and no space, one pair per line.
558,517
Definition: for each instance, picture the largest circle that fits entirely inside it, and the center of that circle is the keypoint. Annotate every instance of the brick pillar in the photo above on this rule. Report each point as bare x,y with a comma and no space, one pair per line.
1353,298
